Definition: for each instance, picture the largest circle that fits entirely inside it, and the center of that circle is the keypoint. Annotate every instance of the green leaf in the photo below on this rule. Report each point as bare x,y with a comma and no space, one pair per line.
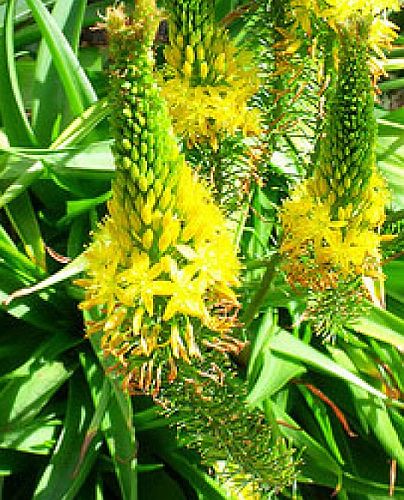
36,437
22,183
394,271
120,437
69,466
294,348
382,325
325,425
79,91
49,349
76,208
373,413
314,452
73,268
22,399
12,109
267,371
48,102
82,125
205,485
117,425
22,215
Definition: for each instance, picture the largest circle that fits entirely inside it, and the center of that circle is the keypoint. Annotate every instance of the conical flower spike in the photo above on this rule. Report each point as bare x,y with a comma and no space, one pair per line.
331,221
347,155
208,83
162,260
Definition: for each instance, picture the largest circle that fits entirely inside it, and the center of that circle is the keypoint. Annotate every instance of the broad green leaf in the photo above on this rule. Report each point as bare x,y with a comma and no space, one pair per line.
205,485
311,448
37,311
350,483
75,208
79,128
373,413
81,161
117,424
22,399
87,161
394,271
36,437
390,153
323,420
23,217
46,310
78,236
14,259
51,347
276,371
71,269
267,371
21,183
119,434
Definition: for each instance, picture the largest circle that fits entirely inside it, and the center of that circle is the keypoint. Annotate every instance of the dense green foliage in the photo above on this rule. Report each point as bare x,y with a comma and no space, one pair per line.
328,414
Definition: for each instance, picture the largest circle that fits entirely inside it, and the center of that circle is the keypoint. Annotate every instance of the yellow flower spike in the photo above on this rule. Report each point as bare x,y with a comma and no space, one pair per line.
136,277
209,93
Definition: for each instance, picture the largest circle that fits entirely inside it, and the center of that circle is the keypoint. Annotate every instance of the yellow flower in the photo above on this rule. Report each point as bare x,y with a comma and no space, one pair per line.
202,113
187,292
207,82
341,10
318,248
138,281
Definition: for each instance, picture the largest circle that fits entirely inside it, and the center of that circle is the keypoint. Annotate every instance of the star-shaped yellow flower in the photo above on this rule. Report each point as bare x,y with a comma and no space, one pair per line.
140,281
187,293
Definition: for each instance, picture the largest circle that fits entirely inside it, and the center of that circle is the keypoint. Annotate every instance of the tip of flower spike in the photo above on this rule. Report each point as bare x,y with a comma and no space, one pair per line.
140,23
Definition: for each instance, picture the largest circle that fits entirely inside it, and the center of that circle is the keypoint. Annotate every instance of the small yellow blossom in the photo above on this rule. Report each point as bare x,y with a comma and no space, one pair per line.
203,112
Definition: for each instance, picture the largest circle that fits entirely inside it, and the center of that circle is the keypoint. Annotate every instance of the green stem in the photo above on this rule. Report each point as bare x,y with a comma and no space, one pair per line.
262,292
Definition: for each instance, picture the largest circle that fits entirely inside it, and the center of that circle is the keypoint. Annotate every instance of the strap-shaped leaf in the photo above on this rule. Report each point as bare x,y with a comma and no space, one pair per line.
48,99
12,109
78,88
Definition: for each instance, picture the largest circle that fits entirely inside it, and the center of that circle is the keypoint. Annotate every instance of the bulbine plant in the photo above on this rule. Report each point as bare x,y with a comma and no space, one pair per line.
200,252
